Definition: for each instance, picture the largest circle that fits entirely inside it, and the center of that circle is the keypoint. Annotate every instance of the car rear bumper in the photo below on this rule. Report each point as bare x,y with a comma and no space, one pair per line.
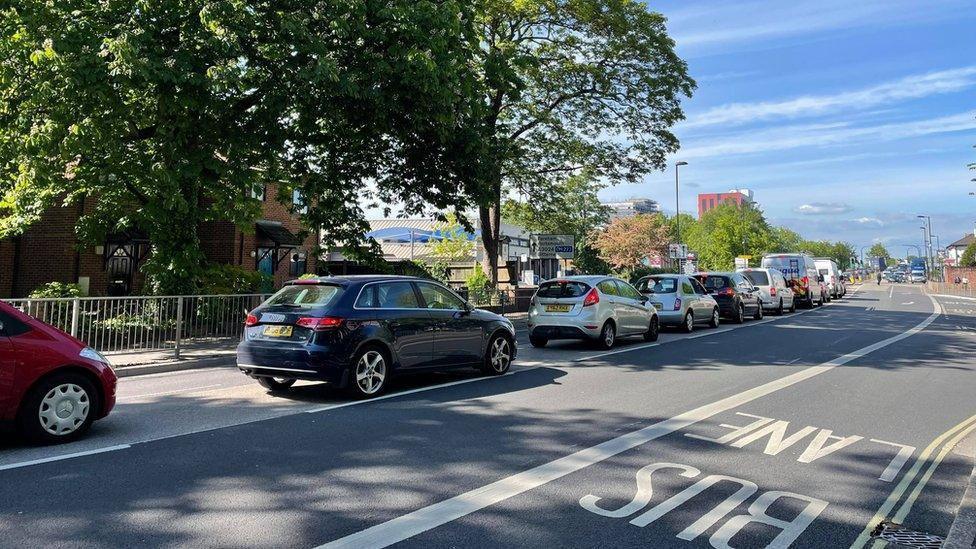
671,318
550,331
309,362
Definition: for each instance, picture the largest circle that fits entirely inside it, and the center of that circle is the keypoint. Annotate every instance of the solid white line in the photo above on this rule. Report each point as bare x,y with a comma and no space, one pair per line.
432,516
906,506
62,457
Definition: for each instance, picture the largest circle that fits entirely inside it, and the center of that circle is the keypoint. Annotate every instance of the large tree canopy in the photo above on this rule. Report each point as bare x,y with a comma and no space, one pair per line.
170,113
572,85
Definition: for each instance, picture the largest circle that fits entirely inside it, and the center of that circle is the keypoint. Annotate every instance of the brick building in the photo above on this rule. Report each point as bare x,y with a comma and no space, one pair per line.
48,251
709,201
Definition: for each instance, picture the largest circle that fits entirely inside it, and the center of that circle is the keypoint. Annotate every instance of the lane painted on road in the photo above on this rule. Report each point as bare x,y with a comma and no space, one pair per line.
432,516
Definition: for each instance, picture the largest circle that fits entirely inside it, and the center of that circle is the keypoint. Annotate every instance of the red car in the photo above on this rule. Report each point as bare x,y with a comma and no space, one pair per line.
52,386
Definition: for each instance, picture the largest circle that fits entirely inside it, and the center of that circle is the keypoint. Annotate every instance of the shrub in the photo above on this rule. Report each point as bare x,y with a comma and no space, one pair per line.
479,287
222,279
57,289
968,258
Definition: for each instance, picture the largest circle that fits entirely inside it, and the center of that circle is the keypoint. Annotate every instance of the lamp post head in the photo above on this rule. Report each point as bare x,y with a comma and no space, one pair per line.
681,163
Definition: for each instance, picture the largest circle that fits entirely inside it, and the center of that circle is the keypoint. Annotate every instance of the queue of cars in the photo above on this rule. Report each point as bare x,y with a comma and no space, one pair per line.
356,332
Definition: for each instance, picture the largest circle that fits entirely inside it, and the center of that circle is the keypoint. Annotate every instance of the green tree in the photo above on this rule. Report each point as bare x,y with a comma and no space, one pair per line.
729,231
567,86
171,113
841,252
785,240
968,258
453,244
879,250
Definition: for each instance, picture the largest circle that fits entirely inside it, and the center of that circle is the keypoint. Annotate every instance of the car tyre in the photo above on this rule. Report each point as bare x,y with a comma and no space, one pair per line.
779,310
688,325
370,372
793,306
740,314
714,322
60,408
759,312
276,384
652,330
608,336
498,356
537,341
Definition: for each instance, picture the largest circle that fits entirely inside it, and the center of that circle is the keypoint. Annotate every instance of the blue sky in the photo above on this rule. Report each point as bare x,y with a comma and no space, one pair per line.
847,119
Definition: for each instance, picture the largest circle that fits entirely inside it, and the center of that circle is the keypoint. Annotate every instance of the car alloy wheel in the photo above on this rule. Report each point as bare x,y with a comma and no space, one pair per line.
371,372
779,310
653,330
715,319
64,409
759,312
499,355
607,336
689,325
740,314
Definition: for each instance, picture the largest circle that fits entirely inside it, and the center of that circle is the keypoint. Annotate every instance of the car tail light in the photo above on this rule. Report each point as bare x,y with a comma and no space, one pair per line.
592,298
677,304
251,320
319,324
725,291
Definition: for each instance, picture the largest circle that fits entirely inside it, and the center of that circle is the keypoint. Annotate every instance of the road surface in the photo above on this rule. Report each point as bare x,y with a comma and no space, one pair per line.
807,429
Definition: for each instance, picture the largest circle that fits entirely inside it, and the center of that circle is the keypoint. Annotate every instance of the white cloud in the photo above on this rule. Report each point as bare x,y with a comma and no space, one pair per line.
910,87
869,221
822,208
822,135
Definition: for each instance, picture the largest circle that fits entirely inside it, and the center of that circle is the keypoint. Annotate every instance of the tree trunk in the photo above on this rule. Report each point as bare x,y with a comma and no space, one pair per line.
490,233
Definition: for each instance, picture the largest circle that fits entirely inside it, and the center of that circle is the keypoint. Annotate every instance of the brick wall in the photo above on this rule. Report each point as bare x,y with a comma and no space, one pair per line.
962,272
7,253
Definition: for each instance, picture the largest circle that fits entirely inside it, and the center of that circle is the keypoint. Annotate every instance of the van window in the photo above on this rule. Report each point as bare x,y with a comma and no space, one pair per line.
758,278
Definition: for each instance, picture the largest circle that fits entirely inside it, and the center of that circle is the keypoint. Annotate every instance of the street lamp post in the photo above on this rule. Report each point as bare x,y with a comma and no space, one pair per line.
677,208
928,243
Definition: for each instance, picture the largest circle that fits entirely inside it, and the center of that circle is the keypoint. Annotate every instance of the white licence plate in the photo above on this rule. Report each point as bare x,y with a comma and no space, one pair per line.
558,308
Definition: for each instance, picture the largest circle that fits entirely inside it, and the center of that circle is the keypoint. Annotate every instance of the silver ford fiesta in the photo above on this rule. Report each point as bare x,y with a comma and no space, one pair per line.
594,308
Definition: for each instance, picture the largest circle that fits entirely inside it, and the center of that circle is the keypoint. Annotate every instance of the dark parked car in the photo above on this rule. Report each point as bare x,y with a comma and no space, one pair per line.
736,296
52,386
357,331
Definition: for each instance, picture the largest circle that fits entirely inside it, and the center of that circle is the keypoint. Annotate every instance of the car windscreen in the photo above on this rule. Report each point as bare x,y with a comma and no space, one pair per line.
562,289
305,296
658,285
714,282
758,278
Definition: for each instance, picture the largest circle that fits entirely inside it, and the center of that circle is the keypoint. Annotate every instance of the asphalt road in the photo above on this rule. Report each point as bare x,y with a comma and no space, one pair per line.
806,430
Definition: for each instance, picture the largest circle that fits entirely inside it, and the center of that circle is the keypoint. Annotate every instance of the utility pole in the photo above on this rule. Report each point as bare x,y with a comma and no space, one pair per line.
677,209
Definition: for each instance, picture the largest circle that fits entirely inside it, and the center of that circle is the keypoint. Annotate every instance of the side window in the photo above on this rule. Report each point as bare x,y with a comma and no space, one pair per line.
437,297
367,298
12,327
396,295
741,282
699,289
607,287
686,288
627,290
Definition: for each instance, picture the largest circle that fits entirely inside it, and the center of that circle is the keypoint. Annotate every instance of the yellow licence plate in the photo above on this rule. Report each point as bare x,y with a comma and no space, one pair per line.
657,305
277,331
558,308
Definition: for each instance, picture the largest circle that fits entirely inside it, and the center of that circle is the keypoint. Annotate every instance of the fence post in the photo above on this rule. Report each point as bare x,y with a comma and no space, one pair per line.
75,315
179,325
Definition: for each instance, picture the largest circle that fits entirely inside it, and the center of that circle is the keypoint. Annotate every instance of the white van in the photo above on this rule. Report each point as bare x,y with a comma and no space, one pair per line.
831,273
801,276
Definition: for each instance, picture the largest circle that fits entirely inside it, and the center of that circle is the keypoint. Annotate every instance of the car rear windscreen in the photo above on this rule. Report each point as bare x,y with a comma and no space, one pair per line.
562,289
759,278
659,285
306,296
714,282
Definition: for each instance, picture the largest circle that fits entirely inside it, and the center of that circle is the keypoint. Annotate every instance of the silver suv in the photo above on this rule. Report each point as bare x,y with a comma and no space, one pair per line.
594,308
680,301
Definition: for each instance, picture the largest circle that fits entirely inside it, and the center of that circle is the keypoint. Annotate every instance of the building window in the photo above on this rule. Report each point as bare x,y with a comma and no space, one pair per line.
299,264
298,201
259,193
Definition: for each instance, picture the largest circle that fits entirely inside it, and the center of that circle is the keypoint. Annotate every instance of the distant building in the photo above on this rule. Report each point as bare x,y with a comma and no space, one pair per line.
633,206
709,201
955,250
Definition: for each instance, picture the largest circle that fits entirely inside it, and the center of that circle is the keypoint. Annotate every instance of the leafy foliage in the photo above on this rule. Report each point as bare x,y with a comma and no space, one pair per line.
453,246
729,231
171,113
479,287
224,279
57,289
627,242
841,252
879,250
968,258
570,86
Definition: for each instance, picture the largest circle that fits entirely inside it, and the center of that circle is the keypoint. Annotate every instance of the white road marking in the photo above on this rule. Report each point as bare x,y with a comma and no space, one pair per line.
432,516
63,457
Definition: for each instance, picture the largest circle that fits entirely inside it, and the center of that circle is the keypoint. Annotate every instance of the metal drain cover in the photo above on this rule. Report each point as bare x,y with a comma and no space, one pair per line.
898,536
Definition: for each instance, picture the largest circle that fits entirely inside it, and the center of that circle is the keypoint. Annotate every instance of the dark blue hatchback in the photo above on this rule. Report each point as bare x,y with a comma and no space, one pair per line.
357,331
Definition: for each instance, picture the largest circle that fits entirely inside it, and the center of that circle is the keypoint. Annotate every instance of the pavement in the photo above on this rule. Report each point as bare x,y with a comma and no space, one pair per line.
806,430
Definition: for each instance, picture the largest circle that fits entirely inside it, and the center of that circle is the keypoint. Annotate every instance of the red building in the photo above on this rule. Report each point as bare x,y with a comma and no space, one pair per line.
48,251
709,201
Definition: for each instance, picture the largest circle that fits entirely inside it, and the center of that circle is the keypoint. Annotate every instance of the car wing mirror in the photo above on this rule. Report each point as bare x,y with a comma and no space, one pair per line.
644,299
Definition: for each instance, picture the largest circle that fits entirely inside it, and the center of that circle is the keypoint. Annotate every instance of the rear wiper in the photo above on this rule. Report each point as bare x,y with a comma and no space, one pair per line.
295,305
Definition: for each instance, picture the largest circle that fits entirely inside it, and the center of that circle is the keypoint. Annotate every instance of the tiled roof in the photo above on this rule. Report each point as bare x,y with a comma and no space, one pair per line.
963,242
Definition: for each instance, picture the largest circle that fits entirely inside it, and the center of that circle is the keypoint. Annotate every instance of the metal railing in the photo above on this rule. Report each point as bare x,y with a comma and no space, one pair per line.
963,290
144,323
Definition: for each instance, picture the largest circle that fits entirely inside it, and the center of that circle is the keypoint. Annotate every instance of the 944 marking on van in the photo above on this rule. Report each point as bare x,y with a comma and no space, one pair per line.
788,530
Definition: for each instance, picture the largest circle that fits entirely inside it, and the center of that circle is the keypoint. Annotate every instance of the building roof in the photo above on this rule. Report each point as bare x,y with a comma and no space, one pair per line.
963,242
277,233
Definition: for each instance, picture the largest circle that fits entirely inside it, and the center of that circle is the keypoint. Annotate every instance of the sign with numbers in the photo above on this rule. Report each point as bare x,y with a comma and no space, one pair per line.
552,246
